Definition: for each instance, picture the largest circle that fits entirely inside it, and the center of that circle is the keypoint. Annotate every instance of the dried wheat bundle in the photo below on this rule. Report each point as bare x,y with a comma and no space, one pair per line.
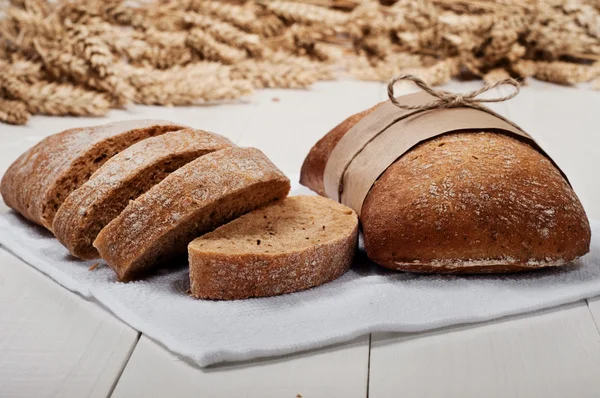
13,112
66,57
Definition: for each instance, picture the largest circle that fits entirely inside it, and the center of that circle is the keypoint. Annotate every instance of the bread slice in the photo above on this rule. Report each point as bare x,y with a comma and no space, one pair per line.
193,200
292,245
38,182
124,177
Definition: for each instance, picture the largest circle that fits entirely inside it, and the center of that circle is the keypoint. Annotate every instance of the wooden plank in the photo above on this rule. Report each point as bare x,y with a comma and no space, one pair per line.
594,306
554,353
339,371
54,343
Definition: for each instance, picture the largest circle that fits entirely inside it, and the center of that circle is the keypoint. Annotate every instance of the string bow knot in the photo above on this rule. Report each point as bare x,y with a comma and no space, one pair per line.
447,99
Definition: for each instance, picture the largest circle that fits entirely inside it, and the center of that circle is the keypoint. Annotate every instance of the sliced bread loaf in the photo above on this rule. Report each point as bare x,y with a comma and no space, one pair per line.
38,182
295,244
124,177
193,200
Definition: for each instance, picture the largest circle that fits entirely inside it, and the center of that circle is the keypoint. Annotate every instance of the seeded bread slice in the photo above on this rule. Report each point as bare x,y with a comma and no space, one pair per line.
292,245
193,200
38,182
124,177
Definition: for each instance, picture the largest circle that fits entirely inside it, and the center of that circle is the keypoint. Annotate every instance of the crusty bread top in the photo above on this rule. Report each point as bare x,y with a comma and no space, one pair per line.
313,168
87,209
198,185
473,200
546,224
291,225
125,164
36,172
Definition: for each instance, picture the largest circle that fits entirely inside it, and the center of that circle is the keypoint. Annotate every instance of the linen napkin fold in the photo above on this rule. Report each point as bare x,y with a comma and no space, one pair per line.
366,299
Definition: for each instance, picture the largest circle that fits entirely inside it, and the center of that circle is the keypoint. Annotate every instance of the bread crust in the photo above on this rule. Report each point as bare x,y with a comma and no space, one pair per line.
193,200
235,275
37,183
122,178
311,173
466,202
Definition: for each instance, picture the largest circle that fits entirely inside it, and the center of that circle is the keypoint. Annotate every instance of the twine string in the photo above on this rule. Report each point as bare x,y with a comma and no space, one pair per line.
446,99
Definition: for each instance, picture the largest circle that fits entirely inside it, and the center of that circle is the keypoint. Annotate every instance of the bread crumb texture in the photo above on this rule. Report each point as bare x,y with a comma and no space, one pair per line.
122,178
38,182
193,200
295,244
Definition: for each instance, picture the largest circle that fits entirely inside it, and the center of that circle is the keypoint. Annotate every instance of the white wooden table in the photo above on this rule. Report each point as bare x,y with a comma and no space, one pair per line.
54,343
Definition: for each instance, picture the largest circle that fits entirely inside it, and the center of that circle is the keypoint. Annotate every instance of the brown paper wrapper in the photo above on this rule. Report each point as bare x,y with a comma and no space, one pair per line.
380,138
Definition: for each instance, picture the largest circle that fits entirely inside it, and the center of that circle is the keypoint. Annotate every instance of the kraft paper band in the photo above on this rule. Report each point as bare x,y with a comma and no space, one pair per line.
381,137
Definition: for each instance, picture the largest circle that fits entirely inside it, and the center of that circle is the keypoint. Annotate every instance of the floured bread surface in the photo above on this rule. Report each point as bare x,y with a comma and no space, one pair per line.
124,177
197,198
473,203
313,167
38,182
467,201
297,243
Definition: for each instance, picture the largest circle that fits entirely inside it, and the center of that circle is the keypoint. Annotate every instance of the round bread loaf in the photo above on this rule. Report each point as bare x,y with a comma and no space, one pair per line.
124,177
465,202
295,244
38,182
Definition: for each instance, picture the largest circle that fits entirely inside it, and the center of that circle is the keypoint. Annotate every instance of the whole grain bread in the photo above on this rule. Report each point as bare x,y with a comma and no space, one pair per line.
465,202
124,177
197,198
38,182
295,244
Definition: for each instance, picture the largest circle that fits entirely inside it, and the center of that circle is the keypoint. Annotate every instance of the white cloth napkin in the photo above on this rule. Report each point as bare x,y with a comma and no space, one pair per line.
366,299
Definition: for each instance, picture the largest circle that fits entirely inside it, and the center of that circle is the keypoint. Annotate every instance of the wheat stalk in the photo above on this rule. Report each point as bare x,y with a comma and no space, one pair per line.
495,75
13,112
93,50
242,17
563,72
306,13
226,33
89,57
62,65
196,83
212,50
65,99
